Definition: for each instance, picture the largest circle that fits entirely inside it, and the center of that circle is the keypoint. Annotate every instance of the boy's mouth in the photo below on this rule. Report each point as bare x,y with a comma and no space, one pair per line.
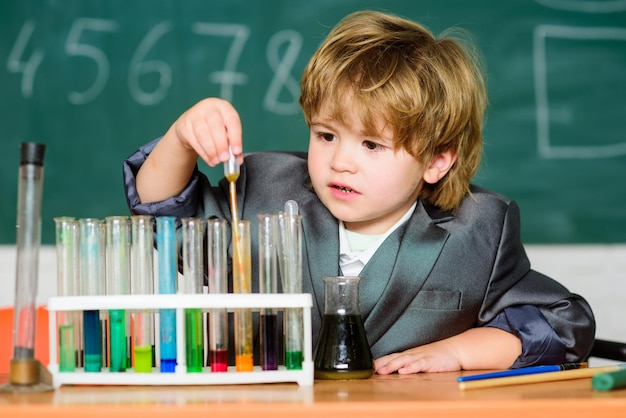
343,189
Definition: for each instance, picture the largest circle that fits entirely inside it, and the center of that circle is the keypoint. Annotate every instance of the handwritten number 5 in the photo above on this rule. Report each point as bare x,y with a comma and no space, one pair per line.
74,47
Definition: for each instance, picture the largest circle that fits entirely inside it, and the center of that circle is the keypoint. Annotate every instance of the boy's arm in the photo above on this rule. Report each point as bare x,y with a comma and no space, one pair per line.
475,349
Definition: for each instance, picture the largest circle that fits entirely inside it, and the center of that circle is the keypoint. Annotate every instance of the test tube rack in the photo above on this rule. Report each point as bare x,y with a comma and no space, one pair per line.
180,302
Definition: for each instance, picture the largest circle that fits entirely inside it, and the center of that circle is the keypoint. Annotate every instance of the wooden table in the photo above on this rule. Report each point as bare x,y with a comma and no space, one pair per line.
394,396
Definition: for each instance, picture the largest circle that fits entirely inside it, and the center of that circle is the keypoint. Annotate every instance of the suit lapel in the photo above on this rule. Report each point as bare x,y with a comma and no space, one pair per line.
422,242
321,252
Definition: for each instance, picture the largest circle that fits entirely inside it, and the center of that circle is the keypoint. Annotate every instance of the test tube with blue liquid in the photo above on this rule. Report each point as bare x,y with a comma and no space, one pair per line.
217,272
92,271
117,283
290,262
268,283
68,258
191,282
142,283
168,271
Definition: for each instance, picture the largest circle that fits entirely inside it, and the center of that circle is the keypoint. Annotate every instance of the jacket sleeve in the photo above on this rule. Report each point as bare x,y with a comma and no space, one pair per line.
182,205
553,324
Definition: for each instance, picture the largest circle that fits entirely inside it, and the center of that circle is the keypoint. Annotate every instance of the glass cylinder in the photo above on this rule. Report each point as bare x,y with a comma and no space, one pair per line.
342,351
268,283
142,283
217,271
24,369
191,283
68,257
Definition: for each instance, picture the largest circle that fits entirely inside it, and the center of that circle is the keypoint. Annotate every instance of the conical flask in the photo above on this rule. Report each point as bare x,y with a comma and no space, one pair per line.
342,351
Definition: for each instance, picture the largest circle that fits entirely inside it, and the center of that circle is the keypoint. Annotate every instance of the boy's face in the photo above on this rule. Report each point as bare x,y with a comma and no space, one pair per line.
361,179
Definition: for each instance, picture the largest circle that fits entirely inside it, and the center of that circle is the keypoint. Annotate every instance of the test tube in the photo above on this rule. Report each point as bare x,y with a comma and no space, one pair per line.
242,283
68,257
290,262
142,283
92,271
217,271
168,271
117,283
24,369
191,283
268,283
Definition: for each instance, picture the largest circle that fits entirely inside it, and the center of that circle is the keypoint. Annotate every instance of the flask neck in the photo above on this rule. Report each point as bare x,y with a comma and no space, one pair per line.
341,295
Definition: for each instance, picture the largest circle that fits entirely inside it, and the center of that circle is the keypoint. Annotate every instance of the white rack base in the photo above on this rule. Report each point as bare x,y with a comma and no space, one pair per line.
206,302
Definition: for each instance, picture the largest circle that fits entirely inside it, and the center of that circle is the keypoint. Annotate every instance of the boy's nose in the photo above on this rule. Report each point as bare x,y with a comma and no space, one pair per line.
344,159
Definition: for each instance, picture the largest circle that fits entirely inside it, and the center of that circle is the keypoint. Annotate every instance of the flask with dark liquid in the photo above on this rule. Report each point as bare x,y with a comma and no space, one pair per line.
342,351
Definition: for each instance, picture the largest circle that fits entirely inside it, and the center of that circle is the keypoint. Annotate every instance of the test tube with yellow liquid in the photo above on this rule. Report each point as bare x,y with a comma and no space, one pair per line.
242,283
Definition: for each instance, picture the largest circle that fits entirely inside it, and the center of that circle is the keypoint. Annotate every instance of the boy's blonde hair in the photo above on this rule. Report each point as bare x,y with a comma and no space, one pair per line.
429,91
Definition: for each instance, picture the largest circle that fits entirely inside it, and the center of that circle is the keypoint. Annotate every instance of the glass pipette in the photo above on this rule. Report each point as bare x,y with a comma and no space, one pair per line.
241,271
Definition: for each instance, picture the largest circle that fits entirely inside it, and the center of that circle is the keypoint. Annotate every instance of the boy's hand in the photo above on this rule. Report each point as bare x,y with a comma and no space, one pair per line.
434,357
209,128
475,349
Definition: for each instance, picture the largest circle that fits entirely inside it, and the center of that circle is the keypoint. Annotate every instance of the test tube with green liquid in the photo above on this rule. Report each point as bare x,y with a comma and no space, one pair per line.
290,262
268,283
117,283
142,283
191,283
68,257
242,283
92,271
217,272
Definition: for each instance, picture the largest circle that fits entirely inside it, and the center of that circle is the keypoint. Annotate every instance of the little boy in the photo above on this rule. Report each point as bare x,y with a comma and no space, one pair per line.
395,118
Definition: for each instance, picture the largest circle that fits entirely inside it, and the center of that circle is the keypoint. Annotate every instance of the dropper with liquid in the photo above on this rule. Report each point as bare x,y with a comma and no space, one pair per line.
241,271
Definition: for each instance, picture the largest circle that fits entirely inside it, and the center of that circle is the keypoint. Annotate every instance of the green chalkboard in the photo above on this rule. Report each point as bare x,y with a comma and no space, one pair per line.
96,79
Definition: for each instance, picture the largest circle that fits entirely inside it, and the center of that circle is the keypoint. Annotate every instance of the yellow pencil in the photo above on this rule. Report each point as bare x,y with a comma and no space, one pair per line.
541,377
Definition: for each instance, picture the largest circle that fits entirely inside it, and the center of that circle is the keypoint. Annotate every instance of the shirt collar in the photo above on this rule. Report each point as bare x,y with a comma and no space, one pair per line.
359,260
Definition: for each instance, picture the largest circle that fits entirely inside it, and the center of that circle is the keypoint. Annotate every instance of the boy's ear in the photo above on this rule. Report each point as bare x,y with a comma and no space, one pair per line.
439,166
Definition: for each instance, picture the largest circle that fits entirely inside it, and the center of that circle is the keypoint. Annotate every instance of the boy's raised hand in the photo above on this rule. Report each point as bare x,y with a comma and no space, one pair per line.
207,130
210,128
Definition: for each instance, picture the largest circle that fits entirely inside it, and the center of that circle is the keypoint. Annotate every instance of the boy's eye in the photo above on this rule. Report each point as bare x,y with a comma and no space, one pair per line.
372,145
327,137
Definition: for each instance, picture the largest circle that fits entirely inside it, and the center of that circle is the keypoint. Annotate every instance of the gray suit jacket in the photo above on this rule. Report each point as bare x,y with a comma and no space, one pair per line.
437,275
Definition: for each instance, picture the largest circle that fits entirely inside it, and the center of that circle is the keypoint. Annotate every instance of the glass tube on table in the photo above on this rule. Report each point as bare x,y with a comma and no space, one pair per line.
290,262
217,271
68,257
242,283
24,367
191,283
168,272
142,283
92,271
268,283
118,283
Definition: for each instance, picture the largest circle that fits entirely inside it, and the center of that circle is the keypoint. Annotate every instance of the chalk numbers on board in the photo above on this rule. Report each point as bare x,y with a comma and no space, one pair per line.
283,48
